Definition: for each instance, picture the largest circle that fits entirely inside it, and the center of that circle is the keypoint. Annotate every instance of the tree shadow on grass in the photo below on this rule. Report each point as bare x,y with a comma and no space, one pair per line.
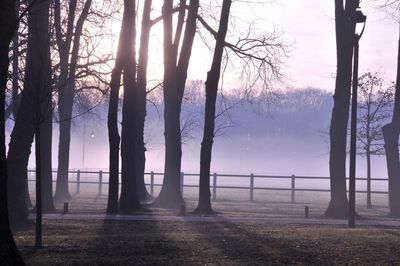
136,243
233,243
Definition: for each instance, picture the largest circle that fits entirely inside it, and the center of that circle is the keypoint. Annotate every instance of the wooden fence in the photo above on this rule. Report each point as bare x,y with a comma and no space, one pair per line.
78,177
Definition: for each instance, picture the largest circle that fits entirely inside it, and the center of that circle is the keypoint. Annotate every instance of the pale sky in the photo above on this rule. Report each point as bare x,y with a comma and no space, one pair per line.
310,25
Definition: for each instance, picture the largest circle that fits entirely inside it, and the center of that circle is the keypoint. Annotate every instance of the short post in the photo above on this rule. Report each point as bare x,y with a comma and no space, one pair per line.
78,181
251,187
306,211
214,186
152,183
100,182
181,178
293,188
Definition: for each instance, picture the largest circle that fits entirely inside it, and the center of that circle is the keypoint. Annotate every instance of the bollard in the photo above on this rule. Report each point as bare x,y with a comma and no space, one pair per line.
306,211
65,208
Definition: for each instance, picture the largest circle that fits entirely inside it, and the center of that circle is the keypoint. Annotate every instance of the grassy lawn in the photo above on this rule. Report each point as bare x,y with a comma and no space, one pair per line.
69,242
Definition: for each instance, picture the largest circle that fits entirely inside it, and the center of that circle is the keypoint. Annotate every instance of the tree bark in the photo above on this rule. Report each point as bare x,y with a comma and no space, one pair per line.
141,83
391,133
9,253
338,206
175,74
213,76
129,200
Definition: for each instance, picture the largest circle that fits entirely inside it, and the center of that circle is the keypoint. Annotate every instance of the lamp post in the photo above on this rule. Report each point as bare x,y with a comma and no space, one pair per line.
357,18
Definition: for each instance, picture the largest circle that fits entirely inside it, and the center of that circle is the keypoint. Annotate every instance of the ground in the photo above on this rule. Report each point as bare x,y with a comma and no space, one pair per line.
269,231
94,242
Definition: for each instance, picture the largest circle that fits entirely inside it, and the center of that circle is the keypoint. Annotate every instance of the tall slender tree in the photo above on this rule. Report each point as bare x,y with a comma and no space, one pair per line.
345,28
212,81
140,106
8,250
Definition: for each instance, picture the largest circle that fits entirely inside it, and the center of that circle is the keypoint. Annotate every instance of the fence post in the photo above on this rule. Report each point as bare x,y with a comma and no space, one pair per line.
100,182
78,181
293,188
182,178
152,183
251,187
214,186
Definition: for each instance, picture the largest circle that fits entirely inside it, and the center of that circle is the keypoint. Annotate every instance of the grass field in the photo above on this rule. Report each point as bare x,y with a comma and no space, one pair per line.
98,242
89,242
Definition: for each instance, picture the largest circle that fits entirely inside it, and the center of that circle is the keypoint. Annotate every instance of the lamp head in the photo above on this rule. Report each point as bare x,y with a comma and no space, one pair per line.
359,19
358,16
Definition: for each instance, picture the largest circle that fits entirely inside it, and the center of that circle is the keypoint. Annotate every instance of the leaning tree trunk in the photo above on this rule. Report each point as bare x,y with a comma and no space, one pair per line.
8,250
175,74
112,122
391,133
129,200
212,81
338,206
113,138
141,84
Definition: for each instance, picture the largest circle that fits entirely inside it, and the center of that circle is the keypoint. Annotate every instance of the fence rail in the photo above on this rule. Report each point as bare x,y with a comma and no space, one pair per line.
214,185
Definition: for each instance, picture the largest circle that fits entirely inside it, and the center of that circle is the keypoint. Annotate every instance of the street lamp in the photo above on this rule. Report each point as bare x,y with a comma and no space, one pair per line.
358,18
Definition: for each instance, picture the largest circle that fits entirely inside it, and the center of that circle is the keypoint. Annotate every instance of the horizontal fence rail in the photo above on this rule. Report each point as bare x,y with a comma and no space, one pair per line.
79,177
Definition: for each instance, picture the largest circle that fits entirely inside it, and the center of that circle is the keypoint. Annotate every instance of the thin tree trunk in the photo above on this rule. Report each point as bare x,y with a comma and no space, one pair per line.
113,137
212,81
8,251
141,101
338,205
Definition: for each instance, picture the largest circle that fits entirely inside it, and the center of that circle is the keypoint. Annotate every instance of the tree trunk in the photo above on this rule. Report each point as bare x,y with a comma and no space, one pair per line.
175,74
141,84
46,135
65,103
369,202
113,137
212,81
391,133
8,250
338,206
129,200
67,89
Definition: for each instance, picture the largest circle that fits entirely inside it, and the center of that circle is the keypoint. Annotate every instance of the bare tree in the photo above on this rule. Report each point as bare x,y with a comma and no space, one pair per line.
176,62
345,28
376,100
212,81
8,251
